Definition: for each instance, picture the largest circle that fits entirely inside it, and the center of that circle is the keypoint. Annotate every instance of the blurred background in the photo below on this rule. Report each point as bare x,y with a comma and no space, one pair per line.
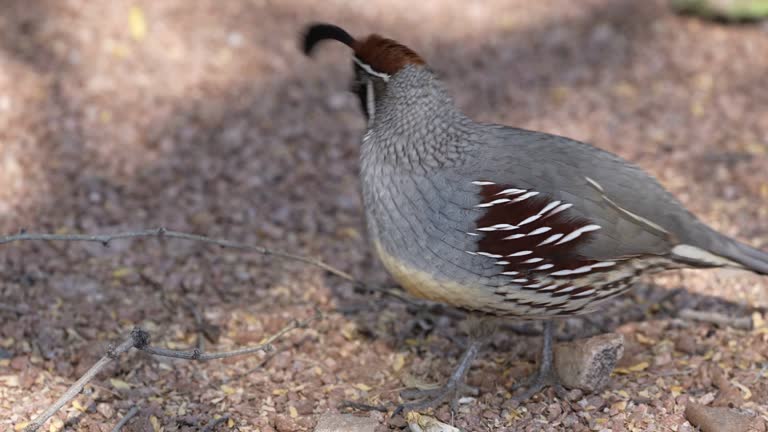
203,116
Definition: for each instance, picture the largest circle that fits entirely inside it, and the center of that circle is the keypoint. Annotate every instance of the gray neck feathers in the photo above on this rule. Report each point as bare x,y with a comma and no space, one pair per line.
416,124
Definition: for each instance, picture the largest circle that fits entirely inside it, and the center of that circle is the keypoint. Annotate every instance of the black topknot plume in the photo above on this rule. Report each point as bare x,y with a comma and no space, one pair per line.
319,32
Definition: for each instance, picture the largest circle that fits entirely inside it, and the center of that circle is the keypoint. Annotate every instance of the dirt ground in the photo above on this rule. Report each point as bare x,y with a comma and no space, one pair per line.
204,117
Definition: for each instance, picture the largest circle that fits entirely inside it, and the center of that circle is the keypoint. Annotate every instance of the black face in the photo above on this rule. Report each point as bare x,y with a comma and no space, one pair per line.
359,88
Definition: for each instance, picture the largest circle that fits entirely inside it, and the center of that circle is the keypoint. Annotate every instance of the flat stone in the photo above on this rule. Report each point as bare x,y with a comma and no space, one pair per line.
332,422
587,364
719,419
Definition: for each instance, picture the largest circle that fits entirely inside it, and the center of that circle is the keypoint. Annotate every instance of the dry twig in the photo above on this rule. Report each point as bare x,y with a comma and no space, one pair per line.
139,339
742,323
105,239
126,418
210,427
161,232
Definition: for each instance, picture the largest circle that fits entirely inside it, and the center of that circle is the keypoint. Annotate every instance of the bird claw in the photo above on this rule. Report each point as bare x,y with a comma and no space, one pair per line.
432,398
535,383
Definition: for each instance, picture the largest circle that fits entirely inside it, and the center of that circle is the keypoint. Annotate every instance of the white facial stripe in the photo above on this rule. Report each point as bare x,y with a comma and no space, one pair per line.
370,70
370,102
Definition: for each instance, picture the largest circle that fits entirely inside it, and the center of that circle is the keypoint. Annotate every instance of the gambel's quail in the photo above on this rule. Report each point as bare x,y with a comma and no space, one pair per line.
506,221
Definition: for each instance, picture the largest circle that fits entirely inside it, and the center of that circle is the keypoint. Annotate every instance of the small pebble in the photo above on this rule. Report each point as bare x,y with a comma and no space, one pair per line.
587,364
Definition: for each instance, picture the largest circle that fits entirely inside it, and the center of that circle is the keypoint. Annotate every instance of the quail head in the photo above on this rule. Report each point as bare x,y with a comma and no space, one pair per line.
506,221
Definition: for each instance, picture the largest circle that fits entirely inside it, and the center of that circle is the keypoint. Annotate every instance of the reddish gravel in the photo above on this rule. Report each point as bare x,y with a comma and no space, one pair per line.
204,117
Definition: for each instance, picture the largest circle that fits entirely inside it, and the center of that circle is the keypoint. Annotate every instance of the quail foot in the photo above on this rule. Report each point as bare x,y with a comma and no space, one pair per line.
504,221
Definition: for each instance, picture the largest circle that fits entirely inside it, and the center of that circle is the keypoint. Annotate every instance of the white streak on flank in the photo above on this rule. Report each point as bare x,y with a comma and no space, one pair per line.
525,197
561,273
538,231
501,262
586,293
483,183
560,208
529,220
472,234
549,287
550,206
489,255
501,227
550,239
604,264
698,254
521,253
636,217
533,260
514,237
595,184
577,232
536,285
471,253
511,191
522,280
566,289
494,202
509,273
544,267
370,70
583,269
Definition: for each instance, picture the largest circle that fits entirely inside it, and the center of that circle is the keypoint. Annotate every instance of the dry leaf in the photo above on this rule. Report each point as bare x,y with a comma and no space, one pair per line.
155,424
137,23
119,384
362,387
399,362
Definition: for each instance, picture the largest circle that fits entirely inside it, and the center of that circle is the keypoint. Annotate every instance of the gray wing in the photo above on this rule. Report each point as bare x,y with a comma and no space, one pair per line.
636,214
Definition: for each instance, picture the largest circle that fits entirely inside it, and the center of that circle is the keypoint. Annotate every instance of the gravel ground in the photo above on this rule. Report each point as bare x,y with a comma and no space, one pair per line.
204,117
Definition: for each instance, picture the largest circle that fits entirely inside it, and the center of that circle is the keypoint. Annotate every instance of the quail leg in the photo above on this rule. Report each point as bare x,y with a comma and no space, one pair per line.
451,391
479,329
545,376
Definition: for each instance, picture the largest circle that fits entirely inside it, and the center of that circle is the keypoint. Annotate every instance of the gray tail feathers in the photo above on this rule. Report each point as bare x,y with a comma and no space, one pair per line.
722,251
749,257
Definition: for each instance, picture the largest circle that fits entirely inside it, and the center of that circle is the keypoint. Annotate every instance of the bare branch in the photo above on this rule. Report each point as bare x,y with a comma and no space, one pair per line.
197,354
126,418
77,387
105,239
139,339
212,425
742,323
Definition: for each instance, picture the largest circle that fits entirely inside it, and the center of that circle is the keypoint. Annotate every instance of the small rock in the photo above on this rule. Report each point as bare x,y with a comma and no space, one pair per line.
331,422
422,423
587,364
105,410
717,419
